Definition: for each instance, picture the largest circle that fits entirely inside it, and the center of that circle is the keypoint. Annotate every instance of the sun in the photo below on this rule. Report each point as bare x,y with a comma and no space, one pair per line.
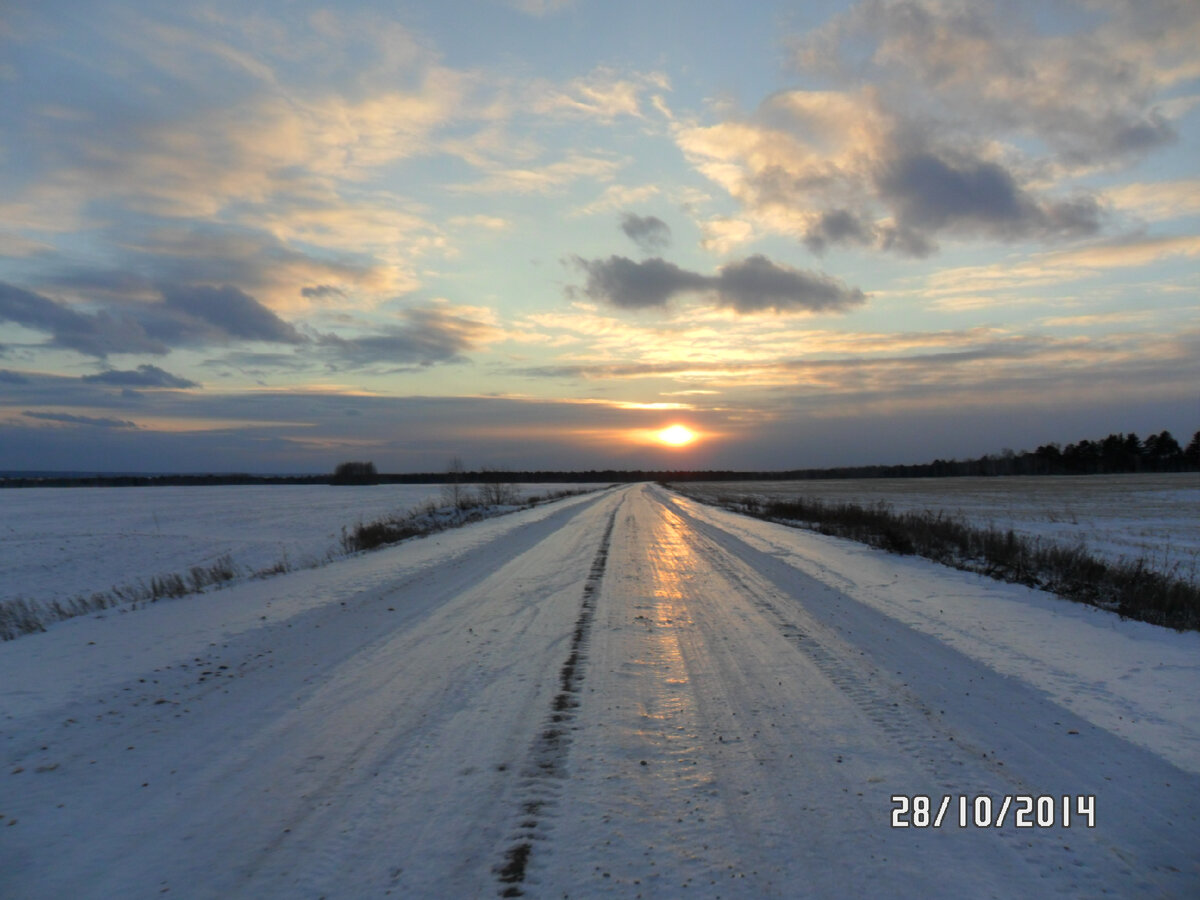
676,436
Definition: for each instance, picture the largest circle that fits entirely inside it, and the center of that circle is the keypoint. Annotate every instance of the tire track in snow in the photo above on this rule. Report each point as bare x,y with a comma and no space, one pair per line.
545,767
957,763
911,725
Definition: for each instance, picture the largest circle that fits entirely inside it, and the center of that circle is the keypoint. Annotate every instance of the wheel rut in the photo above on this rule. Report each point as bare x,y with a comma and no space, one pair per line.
545,766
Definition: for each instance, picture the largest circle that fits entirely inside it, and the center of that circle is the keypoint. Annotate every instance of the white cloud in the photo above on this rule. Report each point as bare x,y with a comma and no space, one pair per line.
722,235
488,223
544,179
1158,201
604,95
618,196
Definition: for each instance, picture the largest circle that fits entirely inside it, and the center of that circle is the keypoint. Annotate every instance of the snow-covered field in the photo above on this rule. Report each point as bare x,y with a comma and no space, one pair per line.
56,543
1151,517
622,694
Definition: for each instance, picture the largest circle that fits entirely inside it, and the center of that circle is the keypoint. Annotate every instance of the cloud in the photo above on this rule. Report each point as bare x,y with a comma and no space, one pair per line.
15,246
260,262
486,222
185,315
91,421
751,285
650,233
542,179
838,226
1130,251
931,193
1086,90
1158,201
144,376
321,292
279,136
204,315
951,120
35,311
839,169
429,335
93,335
755,284
721,234
263,145
804,381
1013,281
231,311
638,285
604,95
7,376
616,196
606,371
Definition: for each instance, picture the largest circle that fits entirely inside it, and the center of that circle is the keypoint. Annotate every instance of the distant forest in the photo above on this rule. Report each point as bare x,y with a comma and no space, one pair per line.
1115,454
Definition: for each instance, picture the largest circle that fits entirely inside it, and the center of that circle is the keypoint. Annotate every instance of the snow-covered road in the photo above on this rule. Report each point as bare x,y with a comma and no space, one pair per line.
624,694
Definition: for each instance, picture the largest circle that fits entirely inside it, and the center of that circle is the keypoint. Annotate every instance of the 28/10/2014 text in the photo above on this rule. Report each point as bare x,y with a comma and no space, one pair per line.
1027,811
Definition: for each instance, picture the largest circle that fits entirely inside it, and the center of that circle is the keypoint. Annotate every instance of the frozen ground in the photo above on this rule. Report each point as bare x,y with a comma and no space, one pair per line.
624,694
1155,517
57,543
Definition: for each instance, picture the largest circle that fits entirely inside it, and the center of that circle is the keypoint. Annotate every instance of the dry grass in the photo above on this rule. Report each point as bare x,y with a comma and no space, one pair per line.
1133,589
20,616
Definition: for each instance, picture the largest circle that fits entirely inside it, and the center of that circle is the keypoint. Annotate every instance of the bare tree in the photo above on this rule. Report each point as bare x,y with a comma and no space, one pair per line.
454,491
496,488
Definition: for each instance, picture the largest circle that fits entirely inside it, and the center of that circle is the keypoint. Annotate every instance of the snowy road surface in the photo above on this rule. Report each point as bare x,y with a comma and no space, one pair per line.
624,694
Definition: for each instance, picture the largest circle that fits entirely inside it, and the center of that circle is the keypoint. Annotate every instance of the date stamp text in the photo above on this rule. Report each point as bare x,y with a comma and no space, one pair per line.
983,811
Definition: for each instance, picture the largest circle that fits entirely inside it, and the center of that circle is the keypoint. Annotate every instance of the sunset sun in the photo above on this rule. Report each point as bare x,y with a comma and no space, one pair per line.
676,436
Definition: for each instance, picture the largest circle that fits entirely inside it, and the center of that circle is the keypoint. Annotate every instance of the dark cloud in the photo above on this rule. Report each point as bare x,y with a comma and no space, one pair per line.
395,346
1138,137
905,241
838,226
930,193
321,292
750,285
144,376
7,376
90,421
756,283
232,311
650,233
35,311
93,335
637,285
187,315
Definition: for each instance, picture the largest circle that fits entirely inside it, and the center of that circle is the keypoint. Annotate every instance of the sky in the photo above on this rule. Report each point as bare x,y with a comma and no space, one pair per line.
270,237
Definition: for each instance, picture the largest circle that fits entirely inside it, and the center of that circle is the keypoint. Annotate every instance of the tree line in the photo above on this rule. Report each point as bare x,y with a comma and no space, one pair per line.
1115,454
1118,453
